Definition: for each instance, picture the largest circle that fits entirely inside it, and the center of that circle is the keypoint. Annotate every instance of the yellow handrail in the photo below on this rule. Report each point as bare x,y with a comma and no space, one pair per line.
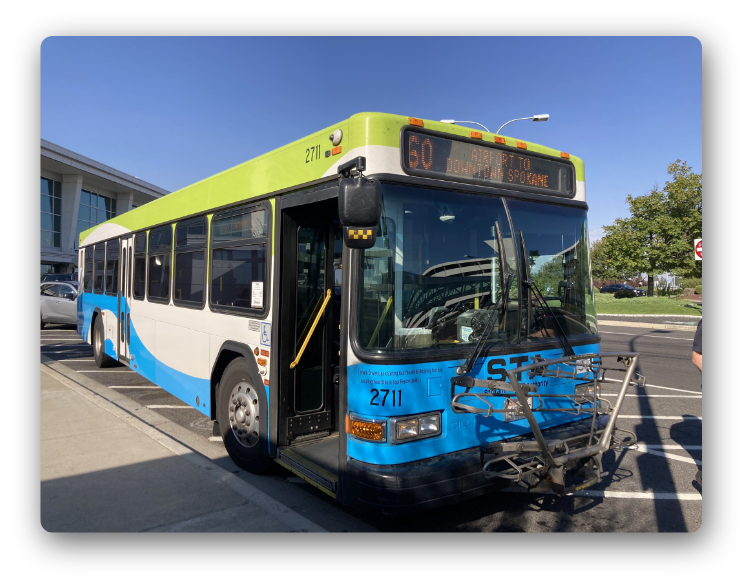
381,321
310,332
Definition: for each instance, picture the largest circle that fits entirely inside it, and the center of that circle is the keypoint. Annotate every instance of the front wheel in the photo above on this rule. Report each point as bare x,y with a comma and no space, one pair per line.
241,411
101,358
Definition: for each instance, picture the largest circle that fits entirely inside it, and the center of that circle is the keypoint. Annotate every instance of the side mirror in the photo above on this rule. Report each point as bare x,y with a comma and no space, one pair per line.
359,207
70,296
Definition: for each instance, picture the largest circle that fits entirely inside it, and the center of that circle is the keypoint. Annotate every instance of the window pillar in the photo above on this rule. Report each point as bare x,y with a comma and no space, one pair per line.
123,203
71,197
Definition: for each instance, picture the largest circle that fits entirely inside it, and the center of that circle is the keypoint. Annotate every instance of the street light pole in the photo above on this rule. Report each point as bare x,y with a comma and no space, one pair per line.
466,122
535,118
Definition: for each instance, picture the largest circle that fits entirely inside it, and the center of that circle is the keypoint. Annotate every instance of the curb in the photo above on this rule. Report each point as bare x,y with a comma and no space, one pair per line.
105,398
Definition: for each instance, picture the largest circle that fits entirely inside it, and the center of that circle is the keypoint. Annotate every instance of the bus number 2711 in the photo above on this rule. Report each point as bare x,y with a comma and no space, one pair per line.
313,153
395,393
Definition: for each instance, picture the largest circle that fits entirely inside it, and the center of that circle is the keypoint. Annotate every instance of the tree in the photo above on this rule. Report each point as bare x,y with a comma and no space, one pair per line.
659,235
605,267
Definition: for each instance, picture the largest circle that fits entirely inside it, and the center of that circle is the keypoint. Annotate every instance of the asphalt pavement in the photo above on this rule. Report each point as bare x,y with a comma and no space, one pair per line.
107,464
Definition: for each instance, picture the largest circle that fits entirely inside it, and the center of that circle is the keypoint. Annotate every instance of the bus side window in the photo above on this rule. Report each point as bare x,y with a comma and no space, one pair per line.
99,261
111,269
190,262
160,255
138,284
238,260
88,268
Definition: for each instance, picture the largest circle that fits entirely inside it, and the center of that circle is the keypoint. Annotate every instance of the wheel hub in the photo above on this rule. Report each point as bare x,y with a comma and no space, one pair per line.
244,413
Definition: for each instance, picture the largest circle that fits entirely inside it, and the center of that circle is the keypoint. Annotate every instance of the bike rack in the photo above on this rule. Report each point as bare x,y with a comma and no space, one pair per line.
570,450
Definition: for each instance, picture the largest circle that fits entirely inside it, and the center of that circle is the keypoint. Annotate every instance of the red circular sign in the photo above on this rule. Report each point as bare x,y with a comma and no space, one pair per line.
698,248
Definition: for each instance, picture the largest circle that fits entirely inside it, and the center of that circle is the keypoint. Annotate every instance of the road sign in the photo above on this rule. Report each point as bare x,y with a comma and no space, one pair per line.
698,249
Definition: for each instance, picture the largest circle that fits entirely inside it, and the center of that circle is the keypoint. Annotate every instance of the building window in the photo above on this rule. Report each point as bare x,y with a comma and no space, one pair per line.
94,209
51,204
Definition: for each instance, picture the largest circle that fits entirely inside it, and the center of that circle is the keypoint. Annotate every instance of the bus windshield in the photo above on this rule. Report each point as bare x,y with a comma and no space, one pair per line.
435,273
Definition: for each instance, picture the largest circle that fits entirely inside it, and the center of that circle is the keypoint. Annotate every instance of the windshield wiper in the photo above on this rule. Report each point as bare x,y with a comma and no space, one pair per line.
533,287
501,303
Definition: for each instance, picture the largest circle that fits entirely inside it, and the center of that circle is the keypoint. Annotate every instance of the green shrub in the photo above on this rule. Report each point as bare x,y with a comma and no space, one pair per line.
691,281
698,289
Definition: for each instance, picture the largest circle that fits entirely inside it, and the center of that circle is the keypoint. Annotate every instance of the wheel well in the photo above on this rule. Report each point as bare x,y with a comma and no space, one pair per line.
95,314
225,358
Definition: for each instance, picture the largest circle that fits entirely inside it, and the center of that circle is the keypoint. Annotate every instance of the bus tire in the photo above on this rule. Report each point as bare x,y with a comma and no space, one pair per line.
241,414
101,358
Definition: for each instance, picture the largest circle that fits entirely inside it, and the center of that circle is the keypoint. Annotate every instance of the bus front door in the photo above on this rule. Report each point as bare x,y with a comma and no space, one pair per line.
307,319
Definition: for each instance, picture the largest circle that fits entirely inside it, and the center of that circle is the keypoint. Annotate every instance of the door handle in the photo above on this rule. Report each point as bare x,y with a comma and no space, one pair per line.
313,327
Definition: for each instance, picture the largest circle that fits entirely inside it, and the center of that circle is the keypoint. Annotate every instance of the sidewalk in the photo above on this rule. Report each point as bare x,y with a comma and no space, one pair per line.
653,321
106,468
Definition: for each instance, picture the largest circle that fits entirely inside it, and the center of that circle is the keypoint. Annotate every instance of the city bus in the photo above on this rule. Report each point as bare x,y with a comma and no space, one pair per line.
400,311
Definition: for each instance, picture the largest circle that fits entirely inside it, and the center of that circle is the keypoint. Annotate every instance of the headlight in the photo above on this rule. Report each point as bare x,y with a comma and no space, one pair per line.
415,427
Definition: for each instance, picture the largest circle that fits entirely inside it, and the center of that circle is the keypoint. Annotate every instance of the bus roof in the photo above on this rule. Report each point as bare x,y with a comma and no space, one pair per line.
371,134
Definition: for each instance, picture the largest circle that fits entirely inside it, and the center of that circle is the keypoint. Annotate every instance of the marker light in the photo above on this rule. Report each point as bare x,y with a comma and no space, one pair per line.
500,140
415,427
521,145
415,121
336,150
565,155
474,134
371,430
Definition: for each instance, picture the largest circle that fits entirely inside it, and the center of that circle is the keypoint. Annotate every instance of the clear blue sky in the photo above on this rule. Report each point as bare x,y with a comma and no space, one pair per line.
174,110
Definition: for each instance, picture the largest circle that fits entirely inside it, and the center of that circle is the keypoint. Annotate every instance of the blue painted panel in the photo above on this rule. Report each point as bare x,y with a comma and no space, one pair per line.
419,385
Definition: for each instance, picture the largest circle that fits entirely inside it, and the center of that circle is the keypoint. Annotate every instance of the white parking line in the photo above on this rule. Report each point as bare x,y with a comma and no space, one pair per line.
620,494
663,417
134,387
650,335
656,386
215,439
109,370
658,453
170,407
640,495
648,395
671,446
77,360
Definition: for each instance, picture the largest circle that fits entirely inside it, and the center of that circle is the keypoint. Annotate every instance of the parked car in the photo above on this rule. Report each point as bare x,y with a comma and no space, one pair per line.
59,277
623,286
58,302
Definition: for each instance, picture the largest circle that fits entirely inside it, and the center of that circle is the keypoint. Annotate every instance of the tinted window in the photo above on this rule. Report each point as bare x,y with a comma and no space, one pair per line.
238,260
111,271
88,268
139,277
160,254
99,268
190,262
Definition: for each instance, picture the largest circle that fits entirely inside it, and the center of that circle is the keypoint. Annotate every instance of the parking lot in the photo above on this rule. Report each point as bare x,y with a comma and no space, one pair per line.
650,487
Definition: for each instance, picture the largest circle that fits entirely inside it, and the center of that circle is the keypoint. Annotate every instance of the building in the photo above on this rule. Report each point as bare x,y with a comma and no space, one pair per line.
77,193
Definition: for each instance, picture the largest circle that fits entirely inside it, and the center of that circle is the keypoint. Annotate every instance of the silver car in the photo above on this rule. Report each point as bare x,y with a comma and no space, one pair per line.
58,302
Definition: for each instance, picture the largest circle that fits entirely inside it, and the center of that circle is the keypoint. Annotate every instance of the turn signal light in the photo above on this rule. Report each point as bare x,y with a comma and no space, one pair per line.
371,430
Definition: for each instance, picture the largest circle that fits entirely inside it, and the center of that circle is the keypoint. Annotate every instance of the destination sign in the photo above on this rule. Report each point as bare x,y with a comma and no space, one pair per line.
443,158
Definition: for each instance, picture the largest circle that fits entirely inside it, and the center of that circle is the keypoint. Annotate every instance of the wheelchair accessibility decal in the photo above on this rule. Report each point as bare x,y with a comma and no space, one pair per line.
266,334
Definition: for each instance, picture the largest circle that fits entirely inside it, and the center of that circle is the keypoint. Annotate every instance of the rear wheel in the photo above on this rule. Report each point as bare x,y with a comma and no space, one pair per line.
101,358
241,412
